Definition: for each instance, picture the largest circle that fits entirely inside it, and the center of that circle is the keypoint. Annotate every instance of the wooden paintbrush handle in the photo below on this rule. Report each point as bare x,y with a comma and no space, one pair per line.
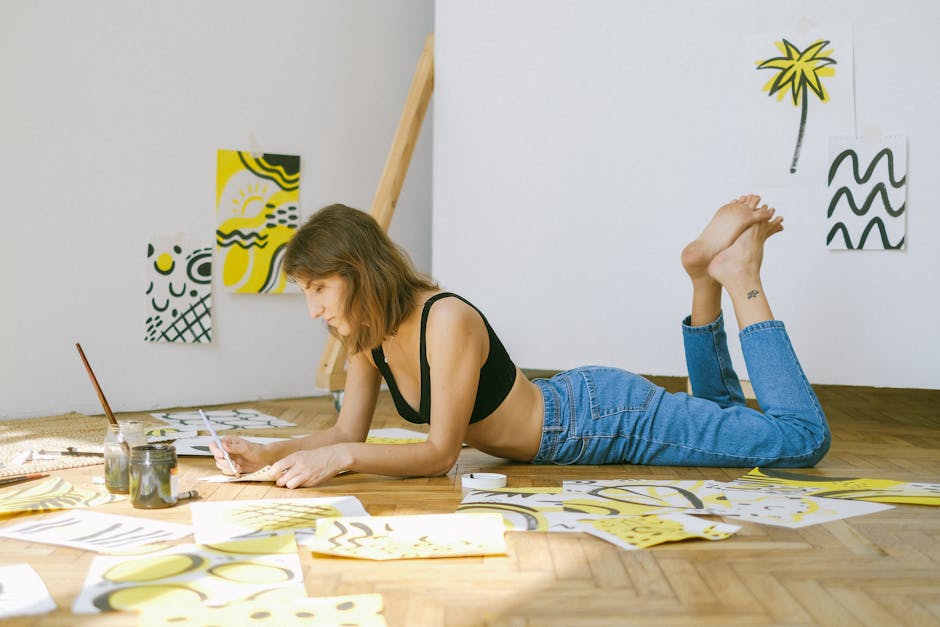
94,381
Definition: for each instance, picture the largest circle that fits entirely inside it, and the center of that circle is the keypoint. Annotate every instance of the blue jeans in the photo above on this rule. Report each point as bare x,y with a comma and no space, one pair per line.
599,415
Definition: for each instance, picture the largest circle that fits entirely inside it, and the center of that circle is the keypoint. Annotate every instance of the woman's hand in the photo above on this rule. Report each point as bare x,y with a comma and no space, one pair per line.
247,456
305,469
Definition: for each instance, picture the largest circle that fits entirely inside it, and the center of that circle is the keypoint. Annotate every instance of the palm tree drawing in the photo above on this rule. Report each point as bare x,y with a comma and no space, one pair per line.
800,71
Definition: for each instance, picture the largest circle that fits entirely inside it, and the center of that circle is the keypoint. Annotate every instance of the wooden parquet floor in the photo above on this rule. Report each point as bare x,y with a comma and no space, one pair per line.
879,569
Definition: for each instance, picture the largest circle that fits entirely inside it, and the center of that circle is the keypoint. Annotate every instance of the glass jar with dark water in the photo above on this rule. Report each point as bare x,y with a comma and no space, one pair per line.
152,476
118,441
116,453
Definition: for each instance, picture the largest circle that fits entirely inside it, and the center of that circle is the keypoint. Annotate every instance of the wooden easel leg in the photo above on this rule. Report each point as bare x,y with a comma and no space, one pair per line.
332,371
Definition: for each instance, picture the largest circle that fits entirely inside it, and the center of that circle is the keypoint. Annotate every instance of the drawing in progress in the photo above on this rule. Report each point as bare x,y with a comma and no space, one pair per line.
262,474
868,187
258,211
179,292
266,569
799,72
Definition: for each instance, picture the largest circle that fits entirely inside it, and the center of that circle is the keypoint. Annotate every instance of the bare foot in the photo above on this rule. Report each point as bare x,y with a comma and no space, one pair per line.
724,229
739,264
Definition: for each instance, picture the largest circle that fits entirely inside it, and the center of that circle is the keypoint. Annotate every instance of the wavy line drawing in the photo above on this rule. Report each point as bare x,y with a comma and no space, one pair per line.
840,227
281,169
880,189
849,153
236,234
875,198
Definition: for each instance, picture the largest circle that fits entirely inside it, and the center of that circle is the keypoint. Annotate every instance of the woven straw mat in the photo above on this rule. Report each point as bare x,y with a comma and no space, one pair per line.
51,433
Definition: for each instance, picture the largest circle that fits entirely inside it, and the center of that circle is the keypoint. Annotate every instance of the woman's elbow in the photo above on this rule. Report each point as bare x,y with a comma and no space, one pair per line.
441,463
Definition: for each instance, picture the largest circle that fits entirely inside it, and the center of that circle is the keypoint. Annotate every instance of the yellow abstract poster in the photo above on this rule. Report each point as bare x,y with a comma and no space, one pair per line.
258,211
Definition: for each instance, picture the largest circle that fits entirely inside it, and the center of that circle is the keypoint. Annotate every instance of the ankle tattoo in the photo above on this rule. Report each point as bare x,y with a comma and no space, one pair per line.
752,294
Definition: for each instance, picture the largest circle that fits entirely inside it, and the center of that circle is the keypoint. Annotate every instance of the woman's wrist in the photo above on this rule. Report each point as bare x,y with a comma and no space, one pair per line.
343,456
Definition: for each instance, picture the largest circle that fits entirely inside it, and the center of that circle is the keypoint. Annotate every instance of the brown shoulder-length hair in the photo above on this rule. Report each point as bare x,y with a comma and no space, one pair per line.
381,281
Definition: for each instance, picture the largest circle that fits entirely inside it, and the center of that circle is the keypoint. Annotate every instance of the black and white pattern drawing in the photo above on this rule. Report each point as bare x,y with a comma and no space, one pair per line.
179,292
222,419
867,193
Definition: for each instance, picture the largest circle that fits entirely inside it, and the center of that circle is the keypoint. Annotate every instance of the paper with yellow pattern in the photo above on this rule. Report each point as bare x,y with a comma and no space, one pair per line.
216,521
395,435
879,490
640,532
794,511
408,537
49,494
267,570
258,211
656,496
353,610
559,509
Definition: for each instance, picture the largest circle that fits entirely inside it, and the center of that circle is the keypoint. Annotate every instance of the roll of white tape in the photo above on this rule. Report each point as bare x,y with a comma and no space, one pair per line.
482,481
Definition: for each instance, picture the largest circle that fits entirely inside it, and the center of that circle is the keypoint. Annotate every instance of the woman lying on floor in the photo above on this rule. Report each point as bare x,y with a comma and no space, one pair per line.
430,344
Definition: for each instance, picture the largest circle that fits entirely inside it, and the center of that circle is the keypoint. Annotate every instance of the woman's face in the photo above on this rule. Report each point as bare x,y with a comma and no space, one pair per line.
325,298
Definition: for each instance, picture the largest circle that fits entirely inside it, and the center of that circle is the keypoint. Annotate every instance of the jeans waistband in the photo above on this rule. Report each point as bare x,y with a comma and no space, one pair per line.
553,426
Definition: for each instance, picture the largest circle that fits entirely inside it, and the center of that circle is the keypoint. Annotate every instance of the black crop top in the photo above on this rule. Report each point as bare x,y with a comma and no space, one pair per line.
497,375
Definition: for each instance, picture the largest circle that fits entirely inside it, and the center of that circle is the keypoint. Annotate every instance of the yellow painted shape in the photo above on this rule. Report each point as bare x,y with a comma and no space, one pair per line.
258,546
251,572
153,568
237,262
164,263
227,164
140,597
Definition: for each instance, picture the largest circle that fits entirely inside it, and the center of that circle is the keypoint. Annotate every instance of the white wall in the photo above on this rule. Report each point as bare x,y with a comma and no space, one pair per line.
111,113
580,144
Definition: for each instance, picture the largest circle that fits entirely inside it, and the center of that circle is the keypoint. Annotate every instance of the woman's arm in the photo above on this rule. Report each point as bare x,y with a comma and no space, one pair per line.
457,346
352,424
